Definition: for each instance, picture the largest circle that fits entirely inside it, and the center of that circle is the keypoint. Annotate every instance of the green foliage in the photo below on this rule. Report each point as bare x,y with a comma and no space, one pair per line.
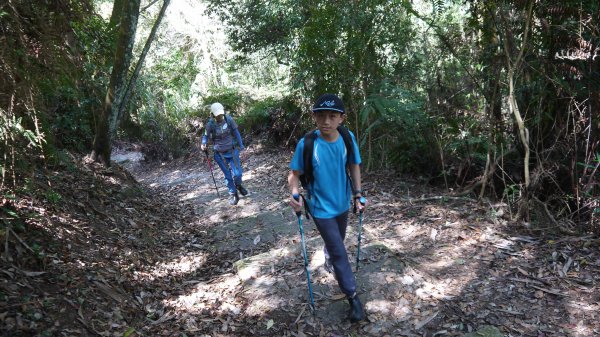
129,332
18,144
279,118
12,129
438,7
160,109
11,219
395,123
232,99
342,47
53,197
77,94
41,75
257,116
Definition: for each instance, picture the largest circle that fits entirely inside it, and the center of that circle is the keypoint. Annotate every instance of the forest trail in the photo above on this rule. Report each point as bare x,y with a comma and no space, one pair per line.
442,267
163,255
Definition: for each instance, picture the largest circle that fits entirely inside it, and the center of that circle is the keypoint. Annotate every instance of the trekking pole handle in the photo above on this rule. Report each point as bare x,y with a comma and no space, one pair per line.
362,200
297,198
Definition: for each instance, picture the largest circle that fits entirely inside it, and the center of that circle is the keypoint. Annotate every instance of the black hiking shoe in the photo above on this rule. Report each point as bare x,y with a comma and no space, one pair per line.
356,312
233,199
242,190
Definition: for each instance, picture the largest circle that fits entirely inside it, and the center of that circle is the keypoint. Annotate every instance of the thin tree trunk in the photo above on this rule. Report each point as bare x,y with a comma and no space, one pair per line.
138,67
512,67
107,121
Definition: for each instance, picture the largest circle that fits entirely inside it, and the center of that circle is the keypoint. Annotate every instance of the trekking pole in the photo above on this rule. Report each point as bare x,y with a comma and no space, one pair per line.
362,200
211,172
360,216
310,292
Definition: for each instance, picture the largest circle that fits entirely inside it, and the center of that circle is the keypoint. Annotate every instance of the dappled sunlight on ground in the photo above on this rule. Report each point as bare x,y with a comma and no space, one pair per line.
183,266
425,268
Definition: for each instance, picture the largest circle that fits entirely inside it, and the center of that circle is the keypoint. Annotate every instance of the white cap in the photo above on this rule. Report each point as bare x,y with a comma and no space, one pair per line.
217,109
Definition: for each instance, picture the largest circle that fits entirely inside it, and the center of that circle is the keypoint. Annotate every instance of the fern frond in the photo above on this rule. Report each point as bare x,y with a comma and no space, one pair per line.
437,8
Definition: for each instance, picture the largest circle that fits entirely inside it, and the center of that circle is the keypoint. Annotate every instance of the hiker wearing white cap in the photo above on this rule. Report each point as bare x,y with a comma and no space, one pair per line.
227,142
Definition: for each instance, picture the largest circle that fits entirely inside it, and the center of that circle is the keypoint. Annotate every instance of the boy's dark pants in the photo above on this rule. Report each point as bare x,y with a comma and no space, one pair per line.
333,232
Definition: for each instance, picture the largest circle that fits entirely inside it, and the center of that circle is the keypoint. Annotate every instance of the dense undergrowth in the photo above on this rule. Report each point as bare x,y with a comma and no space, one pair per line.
434,107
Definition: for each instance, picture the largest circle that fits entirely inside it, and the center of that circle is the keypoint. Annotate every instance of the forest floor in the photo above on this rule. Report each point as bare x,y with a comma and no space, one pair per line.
153,251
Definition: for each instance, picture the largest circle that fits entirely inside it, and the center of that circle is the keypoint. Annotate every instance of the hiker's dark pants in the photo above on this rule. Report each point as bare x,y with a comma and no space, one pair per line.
333,232
230,164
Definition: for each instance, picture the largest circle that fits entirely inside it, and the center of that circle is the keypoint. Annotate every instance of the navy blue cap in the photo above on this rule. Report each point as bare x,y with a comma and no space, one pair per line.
329,102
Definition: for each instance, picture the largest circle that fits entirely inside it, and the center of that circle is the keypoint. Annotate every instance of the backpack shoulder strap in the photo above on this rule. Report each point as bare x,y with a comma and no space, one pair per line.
345,133
210,128
348,141
229,120
307,154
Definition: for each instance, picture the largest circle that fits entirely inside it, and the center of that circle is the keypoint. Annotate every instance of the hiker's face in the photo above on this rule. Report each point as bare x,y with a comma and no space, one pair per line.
328,121
220,118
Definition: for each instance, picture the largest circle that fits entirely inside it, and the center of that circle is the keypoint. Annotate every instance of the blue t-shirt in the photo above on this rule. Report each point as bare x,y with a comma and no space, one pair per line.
330,188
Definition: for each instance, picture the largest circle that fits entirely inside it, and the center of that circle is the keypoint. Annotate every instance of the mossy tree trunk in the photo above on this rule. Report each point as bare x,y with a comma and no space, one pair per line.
107,120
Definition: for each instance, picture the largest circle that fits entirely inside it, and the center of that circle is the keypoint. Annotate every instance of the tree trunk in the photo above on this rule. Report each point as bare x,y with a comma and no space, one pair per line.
512,67
117,12
138,67
107,121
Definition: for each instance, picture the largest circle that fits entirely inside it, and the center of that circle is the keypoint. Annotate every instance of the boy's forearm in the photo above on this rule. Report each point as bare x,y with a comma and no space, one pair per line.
294,182
355,174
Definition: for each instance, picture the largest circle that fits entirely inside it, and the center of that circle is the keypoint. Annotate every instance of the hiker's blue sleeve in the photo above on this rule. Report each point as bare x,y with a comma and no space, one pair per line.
357,159
205,136
297,163
207,131
236,132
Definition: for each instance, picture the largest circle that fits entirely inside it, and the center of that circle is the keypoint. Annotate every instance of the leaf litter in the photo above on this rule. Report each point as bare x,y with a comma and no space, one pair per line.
154,251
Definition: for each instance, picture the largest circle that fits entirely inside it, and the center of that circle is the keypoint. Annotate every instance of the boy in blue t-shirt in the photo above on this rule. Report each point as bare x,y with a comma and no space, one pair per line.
330,191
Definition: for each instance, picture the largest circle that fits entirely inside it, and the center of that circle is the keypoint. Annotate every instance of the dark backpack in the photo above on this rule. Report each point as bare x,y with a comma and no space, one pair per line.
309,140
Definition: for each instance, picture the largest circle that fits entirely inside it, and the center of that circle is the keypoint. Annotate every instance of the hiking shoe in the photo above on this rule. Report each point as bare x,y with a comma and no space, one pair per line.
242,190
233,199
356,312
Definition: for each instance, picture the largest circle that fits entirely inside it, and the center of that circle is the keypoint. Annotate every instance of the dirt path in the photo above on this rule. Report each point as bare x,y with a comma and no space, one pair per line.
89,251
431,268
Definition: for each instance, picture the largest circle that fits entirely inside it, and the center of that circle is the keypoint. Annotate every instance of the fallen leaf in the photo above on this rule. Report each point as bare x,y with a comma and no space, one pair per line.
33,273
338,297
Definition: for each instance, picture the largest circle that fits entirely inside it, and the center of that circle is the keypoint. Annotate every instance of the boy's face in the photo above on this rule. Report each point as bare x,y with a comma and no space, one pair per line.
328,121
220,118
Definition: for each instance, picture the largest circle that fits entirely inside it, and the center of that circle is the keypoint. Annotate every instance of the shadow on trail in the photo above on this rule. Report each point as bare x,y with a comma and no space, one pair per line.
431,269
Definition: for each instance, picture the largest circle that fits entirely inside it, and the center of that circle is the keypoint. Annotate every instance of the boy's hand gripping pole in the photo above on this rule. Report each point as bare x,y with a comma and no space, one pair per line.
310,292
211,171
